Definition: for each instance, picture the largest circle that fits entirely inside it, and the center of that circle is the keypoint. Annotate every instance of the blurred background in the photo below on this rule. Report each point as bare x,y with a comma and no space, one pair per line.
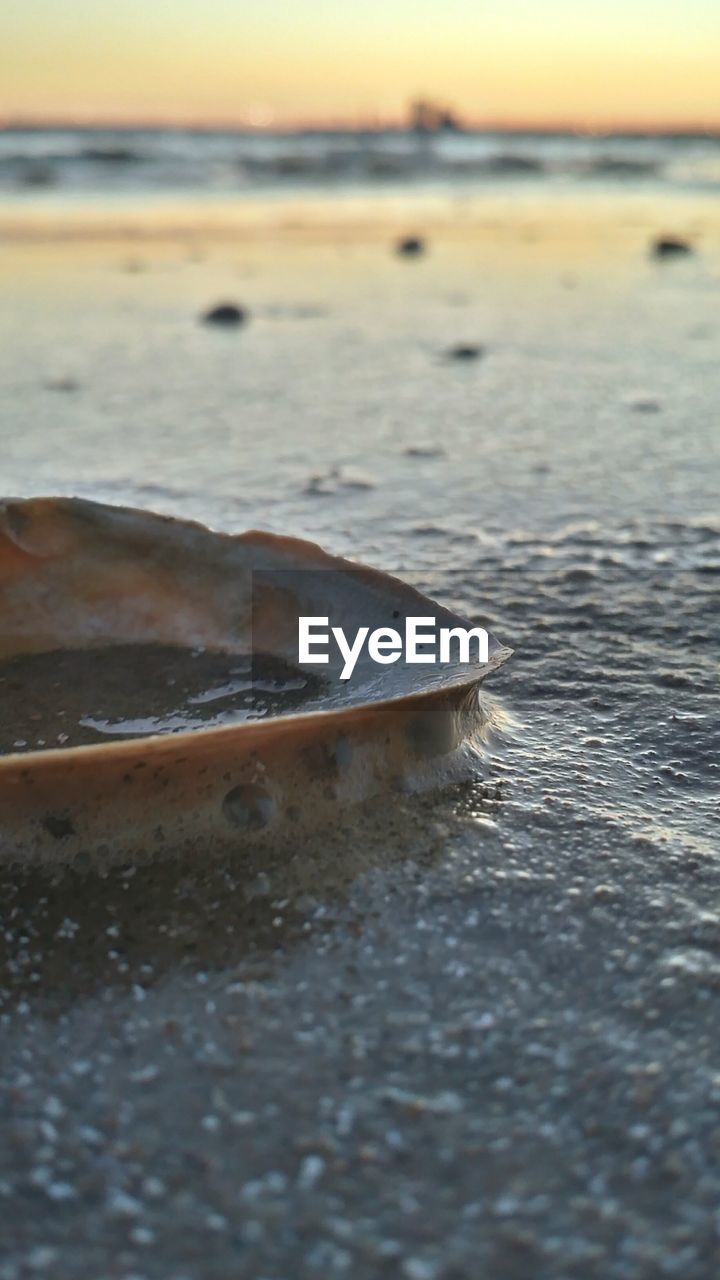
219,99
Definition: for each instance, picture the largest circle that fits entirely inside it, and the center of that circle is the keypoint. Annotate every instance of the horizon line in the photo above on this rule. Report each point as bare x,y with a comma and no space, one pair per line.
10,121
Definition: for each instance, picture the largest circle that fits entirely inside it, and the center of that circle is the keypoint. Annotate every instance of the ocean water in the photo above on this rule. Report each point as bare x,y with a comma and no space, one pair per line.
476,1029
132,160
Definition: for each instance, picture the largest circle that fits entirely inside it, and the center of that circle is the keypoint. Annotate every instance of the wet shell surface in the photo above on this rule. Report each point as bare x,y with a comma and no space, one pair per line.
154,702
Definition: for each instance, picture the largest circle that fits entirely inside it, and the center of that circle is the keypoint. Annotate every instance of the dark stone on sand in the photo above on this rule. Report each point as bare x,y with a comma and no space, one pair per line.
337,479
424,451
62,384
227,314
644,404
671,247
464,351
410,247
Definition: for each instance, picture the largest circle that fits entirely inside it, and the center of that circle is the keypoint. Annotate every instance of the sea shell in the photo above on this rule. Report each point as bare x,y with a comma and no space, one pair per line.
83,579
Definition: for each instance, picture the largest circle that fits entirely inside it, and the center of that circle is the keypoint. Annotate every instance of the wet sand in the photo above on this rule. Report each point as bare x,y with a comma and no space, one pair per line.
472,1033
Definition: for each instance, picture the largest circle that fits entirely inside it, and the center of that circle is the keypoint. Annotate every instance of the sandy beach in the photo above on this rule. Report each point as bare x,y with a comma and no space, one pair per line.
465,1034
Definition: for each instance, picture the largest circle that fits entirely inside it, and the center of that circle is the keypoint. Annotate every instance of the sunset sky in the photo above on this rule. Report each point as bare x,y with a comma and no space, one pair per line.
264,62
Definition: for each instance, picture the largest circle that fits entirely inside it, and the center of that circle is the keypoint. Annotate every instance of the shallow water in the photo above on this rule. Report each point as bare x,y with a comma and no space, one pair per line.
476,1030
79,697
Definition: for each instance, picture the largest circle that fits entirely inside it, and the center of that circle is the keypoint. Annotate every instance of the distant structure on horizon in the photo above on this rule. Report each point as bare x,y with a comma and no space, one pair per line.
430,117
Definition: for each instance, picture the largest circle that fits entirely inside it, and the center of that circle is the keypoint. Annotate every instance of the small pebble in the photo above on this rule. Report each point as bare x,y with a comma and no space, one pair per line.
642,403
671,247
226,314
464,352
410,247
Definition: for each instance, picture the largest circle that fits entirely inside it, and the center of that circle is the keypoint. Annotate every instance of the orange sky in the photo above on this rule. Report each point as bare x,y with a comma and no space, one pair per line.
644,62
